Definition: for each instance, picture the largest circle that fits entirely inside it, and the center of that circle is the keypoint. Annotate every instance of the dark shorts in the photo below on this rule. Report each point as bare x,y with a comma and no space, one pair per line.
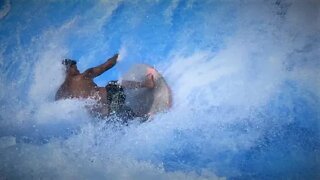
116,99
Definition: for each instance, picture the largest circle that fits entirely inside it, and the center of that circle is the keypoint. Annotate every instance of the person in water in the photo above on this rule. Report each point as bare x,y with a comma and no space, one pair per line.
110,99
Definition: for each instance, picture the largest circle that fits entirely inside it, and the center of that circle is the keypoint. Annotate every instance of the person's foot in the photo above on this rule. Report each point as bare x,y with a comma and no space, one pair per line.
149,83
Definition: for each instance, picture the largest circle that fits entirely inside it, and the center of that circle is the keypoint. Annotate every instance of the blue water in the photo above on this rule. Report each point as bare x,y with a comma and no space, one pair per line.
244,76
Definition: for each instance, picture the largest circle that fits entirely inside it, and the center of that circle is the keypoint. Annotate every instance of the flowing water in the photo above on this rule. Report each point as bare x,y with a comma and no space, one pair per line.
244,76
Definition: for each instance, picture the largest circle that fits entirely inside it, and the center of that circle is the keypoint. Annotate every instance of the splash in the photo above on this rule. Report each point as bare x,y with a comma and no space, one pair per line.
245,79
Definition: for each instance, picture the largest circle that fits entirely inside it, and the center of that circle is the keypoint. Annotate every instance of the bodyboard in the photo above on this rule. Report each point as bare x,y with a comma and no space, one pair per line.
146,101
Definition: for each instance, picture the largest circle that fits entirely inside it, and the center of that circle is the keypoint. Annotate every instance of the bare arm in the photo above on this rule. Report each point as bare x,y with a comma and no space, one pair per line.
97,71
61,92
58,95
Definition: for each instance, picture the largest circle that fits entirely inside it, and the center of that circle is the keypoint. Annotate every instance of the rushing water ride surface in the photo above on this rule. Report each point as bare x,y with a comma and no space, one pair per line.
244,74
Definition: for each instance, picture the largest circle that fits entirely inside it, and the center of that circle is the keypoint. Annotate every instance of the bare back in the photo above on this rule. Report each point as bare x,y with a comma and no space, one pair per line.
80,86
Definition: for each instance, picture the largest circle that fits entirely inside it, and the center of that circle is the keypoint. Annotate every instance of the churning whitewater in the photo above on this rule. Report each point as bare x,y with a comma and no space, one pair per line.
244,77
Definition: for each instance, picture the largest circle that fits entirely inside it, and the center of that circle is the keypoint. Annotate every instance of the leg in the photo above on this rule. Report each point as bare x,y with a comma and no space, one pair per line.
148,83
131,84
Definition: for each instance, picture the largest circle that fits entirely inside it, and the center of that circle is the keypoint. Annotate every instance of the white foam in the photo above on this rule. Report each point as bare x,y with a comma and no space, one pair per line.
218,97
5,9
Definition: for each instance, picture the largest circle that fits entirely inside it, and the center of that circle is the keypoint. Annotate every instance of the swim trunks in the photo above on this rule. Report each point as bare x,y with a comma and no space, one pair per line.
116,101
